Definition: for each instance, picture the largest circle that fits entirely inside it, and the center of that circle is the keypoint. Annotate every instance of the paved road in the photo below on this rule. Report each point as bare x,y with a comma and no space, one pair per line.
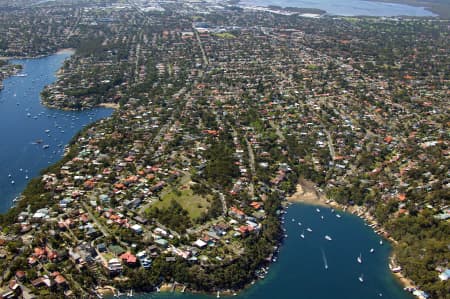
205,59
251,158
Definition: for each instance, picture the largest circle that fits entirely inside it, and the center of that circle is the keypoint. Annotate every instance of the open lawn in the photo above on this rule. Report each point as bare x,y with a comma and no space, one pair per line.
226,35
193,203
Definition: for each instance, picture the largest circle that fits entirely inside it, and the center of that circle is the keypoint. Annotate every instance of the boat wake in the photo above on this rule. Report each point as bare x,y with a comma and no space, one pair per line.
324,258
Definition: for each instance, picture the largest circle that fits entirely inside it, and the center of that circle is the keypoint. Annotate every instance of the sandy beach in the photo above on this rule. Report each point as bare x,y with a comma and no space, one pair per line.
307,193
66,51
109,105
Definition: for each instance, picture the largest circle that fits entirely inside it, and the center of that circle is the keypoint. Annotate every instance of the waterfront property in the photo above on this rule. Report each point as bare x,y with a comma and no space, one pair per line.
33,136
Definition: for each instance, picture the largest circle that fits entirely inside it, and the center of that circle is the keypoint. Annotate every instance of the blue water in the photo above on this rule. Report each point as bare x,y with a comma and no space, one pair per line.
23,121
300,272
348,7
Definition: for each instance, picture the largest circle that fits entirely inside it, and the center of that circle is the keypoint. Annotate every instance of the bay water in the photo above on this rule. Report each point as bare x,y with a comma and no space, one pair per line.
316,268
348,7
32,136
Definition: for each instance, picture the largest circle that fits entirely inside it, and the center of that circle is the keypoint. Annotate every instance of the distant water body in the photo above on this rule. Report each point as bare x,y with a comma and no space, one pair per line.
32,136
348,7
300,273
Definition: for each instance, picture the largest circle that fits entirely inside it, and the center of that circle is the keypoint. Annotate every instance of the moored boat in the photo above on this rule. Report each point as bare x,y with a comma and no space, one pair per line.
361,278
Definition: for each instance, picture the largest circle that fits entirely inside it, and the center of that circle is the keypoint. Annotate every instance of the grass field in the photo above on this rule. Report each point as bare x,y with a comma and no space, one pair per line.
225,35
194,204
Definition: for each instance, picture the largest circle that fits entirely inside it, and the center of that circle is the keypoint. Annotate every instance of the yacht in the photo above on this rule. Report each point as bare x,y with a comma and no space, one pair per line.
308,229
372,250
359,259
381,242
328,237
317,210
338,216
302,235
361,278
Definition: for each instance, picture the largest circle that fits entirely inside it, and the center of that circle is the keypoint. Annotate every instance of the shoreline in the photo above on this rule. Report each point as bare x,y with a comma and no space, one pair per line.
114,106
423,6
266,7
70,51
306,193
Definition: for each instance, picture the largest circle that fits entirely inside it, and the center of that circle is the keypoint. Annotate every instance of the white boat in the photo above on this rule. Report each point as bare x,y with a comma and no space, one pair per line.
218,294
321,217
372,250
327,237
381,242
359,259
308,229
338,216
299,224
361,278
317,210
332,210
293,220
47,131
12,182
302,235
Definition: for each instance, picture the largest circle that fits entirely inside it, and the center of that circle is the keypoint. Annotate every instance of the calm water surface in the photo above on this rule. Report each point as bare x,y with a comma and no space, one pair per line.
348,7
26,127
300,270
